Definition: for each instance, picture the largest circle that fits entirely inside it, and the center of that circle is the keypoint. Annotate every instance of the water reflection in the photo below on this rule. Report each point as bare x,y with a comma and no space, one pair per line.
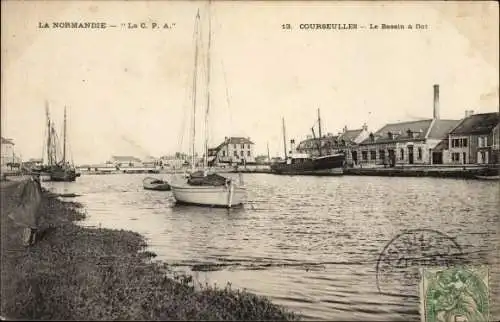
310,243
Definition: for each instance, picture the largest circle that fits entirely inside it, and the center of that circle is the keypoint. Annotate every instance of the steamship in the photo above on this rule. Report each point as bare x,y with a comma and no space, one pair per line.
305,164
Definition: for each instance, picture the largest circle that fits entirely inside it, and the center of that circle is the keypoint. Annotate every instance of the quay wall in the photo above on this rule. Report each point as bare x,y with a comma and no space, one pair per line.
79,273
465,172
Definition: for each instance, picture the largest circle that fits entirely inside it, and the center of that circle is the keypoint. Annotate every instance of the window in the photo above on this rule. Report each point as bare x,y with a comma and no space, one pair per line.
465,158
381,154
482,157
242,153
455,157
234,146
364,155
248,153
223,153
235,153
373,155
401,154
482,141
419,154
459,143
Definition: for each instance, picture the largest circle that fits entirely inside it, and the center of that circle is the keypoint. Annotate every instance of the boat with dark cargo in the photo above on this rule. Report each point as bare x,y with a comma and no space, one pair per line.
150,183
203,187
305,164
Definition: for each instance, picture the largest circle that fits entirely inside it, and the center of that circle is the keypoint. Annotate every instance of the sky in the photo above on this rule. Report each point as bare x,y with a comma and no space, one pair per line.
128,91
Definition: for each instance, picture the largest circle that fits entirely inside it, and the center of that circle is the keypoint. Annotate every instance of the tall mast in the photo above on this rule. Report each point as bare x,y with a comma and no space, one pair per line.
195,76
49,134
319,125
268,155
284,139
205,161
64,138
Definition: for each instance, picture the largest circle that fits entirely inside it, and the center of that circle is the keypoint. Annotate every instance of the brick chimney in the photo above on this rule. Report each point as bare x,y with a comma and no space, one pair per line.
469,113
436,102
365,127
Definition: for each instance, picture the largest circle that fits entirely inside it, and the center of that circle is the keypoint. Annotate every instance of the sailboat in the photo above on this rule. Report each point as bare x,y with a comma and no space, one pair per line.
57,169
305,164
202,187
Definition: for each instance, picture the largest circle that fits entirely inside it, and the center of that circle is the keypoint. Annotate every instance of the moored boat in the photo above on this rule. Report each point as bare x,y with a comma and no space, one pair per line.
202,188
305,164
64,173
150,183
226,196
301,164
57,169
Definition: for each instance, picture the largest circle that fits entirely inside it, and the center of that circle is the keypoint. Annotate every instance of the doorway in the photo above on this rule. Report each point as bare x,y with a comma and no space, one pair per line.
410,154
355,157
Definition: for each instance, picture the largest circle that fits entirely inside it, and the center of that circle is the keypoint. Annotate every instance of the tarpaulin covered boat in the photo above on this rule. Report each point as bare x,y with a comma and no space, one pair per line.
150,183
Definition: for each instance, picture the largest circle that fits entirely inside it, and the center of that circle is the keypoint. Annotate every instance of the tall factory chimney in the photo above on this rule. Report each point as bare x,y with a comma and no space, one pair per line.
436,102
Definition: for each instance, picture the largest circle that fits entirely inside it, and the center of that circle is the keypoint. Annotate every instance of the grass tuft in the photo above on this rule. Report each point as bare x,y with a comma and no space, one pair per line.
78,273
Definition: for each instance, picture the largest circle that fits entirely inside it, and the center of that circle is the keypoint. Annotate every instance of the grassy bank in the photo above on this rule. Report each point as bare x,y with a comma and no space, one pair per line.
100,274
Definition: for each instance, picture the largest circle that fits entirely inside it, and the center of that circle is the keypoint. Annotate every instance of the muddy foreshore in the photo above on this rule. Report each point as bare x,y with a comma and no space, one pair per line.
77,273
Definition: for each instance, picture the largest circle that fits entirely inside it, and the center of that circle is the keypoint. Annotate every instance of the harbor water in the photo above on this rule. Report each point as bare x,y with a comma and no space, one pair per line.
312,244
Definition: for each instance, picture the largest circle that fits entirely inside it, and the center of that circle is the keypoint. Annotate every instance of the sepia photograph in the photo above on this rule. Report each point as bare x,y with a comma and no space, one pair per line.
250,160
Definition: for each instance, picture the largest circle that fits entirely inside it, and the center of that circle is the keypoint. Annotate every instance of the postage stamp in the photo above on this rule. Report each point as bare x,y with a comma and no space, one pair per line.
455,294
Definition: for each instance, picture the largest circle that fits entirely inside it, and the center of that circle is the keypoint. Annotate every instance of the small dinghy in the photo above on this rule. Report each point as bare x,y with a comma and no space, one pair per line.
155,184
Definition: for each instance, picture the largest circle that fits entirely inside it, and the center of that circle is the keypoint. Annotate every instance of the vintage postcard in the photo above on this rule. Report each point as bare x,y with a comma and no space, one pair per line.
250,160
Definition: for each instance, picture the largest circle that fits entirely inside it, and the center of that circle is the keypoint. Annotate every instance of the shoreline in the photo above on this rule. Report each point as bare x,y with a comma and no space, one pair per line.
74,272
437,171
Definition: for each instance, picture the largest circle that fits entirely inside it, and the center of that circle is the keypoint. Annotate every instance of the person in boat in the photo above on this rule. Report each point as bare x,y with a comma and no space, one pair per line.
26,213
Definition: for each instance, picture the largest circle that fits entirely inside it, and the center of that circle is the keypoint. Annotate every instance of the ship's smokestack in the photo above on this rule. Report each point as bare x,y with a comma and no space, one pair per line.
436,102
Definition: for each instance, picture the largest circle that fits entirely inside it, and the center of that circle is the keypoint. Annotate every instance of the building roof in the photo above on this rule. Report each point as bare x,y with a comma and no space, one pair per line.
312,143
238,140
125,158
412,130
7,141
477,124
400,132
441,128
350,135
234,140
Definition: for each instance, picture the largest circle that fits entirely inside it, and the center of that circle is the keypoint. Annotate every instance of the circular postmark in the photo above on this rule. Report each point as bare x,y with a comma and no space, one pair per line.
399,262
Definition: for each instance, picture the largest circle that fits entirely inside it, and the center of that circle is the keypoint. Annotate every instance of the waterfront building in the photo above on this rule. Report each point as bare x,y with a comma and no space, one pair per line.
402,143
176,161
475,139
8,155
233,150
412,142
125,161
311,146
346,142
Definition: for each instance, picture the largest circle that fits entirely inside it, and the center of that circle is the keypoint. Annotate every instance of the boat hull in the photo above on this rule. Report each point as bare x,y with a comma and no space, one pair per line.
151,184
63,176
328,165
209,196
